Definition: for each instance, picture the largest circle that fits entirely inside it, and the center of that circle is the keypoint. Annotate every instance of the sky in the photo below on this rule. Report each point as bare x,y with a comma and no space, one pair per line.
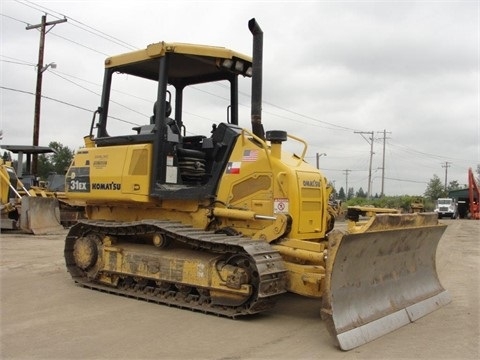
335,72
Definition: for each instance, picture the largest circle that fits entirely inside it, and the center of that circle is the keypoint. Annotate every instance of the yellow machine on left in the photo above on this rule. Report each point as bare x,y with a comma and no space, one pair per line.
29,210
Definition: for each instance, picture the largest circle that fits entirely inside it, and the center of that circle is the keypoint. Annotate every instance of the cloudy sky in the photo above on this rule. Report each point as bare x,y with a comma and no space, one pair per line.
332,69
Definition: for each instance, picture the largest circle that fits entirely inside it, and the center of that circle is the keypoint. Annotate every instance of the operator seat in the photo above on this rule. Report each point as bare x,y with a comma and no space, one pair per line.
191,162
150,128
168,111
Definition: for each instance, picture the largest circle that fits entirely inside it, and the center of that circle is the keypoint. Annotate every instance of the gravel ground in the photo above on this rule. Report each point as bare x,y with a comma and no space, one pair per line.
45,316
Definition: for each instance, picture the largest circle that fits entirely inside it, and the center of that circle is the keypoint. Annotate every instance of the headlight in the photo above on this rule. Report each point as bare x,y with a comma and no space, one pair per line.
237,66
227,63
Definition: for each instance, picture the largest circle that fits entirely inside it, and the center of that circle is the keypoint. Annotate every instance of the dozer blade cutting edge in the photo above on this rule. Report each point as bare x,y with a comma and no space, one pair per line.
40,215
378,281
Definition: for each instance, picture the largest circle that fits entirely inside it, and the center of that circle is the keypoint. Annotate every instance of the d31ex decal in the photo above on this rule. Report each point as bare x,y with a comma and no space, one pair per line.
78,179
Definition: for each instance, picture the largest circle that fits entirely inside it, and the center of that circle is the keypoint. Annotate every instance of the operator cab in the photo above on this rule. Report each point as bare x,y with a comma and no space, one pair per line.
184,165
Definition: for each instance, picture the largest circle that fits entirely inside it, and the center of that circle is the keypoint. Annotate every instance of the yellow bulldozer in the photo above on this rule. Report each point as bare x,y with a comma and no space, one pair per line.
226,221
26,209
417,205
37,207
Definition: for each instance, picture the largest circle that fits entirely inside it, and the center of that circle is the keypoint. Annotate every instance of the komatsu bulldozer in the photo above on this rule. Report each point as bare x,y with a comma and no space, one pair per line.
26,209
226,221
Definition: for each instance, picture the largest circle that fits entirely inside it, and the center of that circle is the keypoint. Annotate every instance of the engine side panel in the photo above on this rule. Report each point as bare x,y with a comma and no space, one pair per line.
111,173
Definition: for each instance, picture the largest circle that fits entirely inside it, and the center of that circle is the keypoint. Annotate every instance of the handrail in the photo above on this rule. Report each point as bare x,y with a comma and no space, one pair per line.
302,157
265,147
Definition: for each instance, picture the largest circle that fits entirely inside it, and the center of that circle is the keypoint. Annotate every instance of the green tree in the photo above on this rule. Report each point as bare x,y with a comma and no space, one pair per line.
361,193
341,194
44,166
334,191
62,157
435,188
351,193
453,185
6,156
58,162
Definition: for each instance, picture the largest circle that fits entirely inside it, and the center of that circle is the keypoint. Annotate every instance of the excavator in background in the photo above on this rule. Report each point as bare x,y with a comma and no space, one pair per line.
226,221
473,196
466,201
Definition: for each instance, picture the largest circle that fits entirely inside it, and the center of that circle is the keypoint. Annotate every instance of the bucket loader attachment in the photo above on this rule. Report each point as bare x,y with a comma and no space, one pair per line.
40,215
381,276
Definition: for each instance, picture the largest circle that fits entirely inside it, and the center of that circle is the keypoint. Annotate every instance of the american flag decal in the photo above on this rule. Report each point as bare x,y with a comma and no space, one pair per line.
250,155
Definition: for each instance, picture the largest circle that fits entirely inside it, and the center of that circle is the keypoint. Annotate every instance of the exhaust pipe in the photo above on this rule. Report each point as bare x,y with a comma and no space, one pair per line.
256,112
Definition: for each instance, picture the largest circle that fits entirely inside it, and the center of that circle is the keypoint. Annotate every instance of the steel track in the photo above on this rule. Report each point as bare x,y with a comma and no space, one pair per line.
266,262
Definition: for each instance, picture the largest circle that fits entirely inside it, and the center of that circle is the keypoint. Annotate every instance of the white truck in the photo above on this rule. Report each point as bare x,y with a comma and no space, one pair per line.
446,207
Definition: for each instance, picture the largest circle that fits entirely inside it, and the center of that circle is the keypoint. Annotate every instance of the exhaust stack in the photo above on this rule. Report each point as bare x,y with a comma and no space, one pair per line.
257,58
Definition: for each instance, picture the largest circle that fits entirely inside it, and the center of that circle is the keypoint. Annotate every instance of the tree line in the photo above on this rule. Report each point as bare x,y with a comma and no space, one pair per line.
435,189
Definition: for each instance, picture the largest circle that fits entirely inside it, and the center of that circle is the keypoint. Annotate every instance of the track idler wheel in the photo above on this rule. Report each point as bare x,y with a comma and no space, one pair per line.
86,253
160,240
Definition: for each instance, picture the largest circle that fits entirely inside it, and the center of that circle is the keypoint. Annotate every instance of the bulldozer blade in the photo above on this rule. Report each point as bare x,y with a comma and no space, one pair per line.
40,215
379,281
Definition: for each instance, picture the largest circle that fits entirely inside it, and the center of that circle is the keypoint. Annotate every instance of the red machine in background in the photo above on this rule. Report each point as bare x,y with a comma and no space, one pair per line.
473,196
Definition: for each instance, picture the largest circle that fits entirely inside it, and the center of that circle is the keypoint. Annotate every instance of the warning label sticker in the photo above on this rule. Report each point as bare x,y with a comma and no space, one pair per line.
280,206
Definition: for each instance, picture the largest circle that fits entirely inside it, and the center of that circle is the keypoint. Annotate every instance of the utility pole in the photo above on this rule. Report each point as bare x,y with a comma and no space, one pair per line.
38,91
318,156
446,166
346,171
370,141
382,193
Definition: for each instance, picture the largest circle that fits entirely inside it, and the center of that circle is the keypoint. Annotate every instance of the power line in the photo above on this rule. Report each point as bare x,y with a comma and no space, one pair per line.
61,37
32,6
66,103
81,25
93,92
417,152
406,180
332,126
15,19
104,35
16,62
74,83
45,97
81,45
56,73
19,60
356,170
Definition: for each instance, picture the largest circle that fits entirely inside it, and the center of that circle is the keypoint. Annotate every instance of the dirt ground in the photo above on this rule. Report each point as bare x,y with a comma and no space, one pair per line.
45,316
